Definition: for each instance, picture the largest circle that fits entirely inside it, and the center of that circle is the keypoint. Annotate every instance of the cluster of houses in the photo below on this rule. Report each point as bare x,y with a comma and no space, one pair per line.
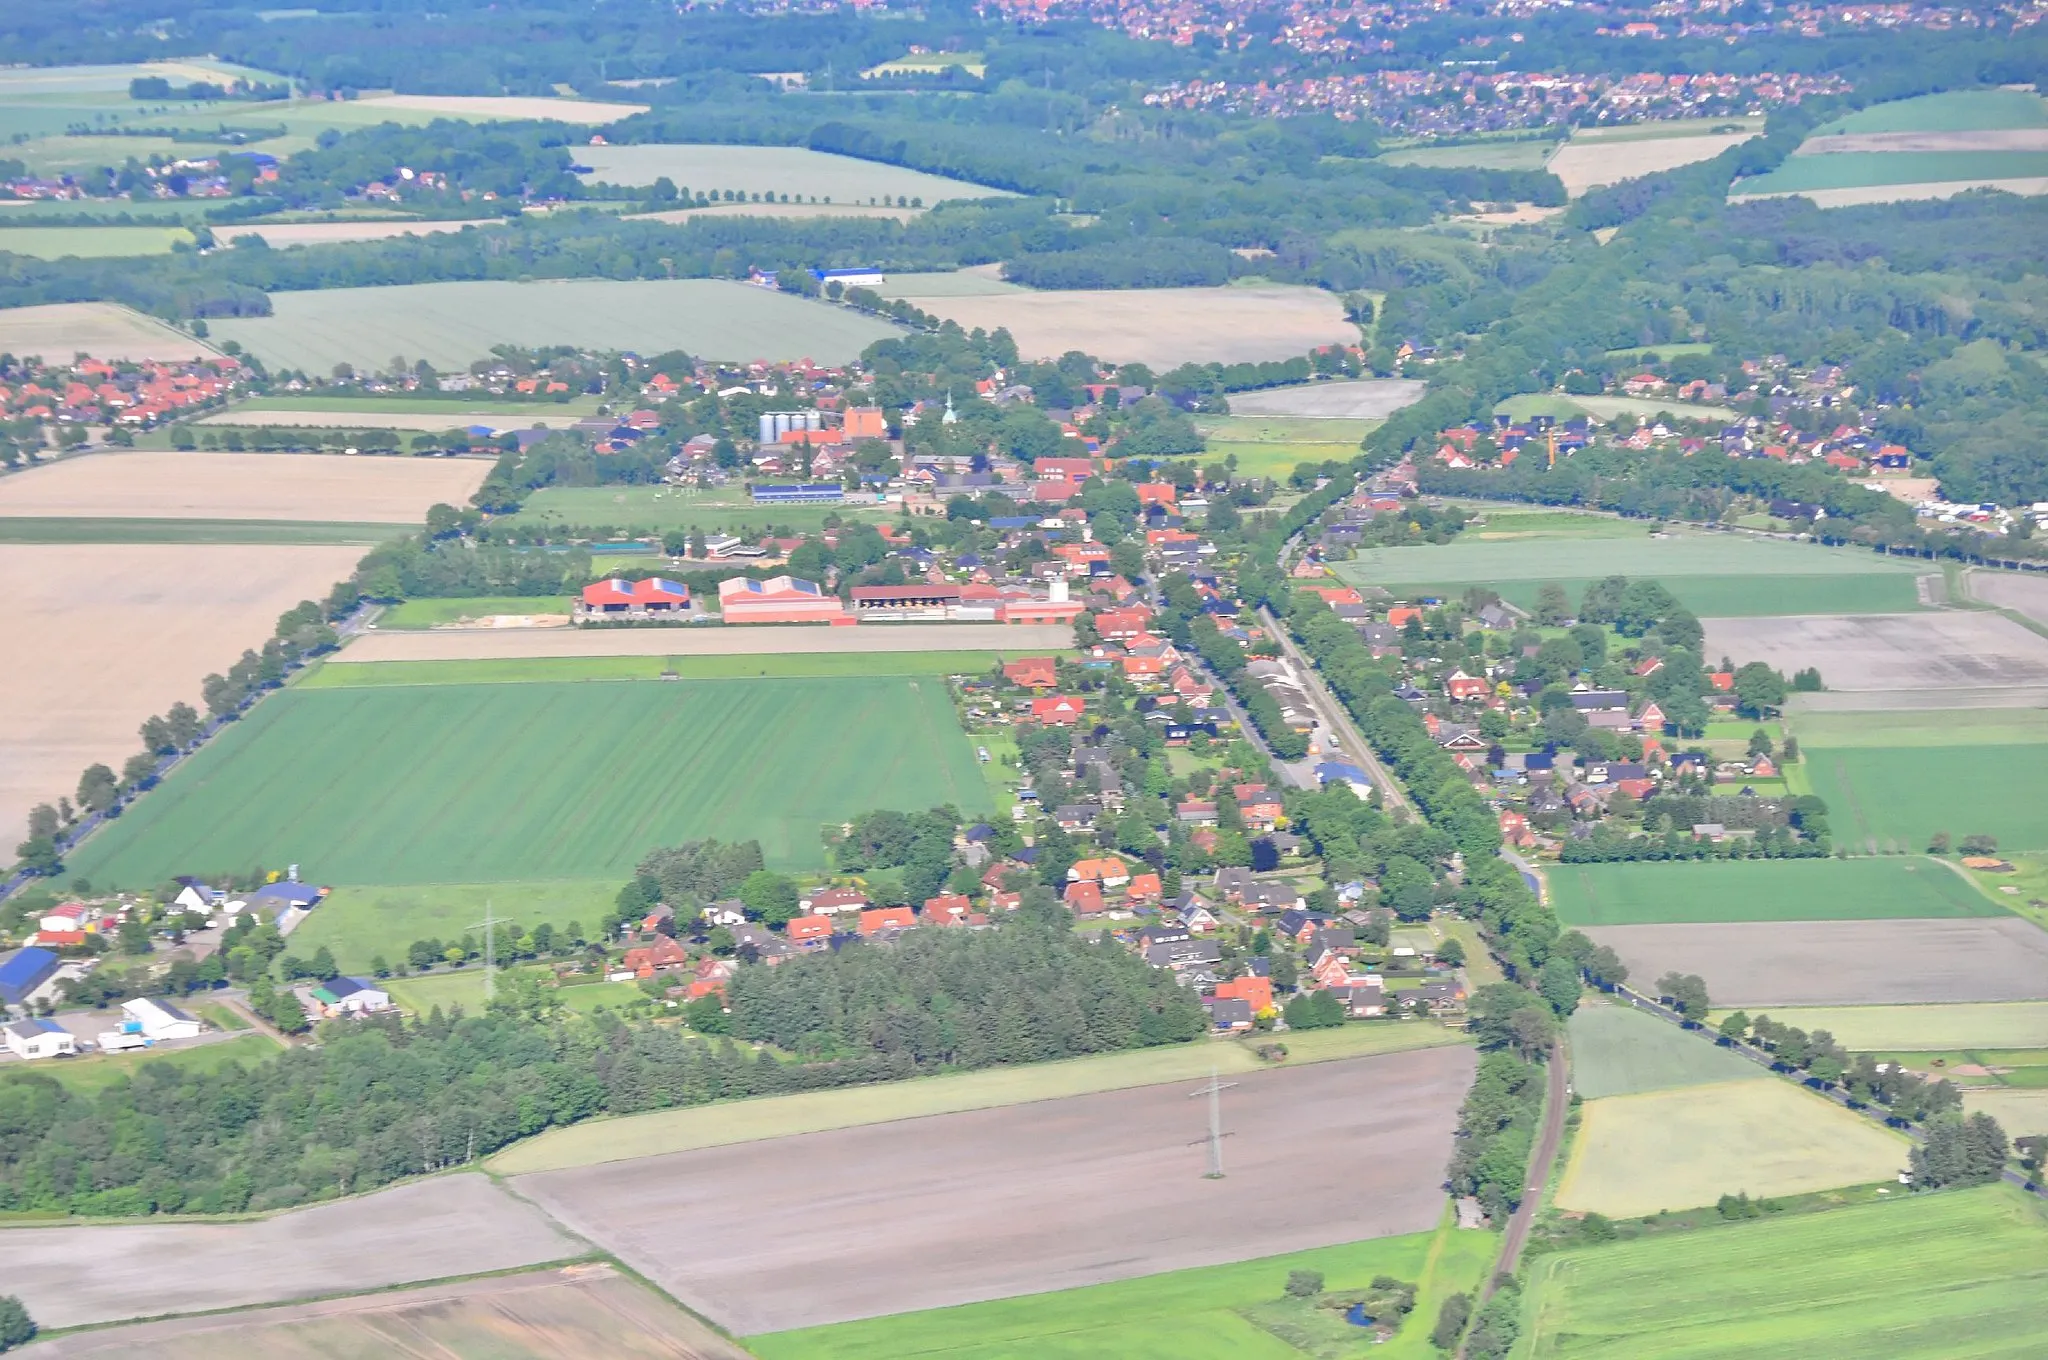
135,395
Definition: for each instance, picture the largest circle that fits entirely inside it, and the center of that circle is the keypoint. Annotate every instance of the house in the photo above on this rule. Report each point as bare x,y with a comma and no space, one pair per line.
1363,1000
1076,816
274,900
198,898
70,917
947,909
1257,992
1337,772
1230,1015
1299,925
1196,812
1084,898
1198,918
1280,895
1109,871
810,933
1184,956
1234,883
32,1039
1461,686
661,956
1144,888
729,913
25,972
345,996
158,1020
875,920
1162,933
1059,710
832,901
1032,672
779,599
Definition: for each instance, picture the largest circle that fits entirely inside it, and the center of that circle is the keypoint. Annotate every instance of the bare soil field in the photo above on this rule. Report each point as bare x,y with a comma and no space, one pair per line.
590,112
580,1312
959,1208
105,330
2010,590
1365,399
279,235
502,644
801,210
1843,963
273,486
83,673
1163,327
2025,186
429,1230
1889,651
1990,139
1590,163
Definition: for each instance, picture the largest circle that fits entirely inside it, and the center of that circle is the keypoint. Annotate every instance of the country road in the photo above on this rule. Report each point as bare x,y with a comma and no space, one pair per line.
1556,1105
1334,717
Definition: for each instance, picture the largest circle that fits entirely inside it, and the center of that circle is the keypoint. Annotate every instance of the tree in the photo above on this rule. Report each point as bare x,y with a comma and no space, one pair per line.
97,788
769,896
133,934
1553,606
1686,993
1980,844
1735,1026
1938,843
1451,952
17,1328
1960,1150
1558,981
1304,1284
1759,690
321,965
1450,1322
1759,743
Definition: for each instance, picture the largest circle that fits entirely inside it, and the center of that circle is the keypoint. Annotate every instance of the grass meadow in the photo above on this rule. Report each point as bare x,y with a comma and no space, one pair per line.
358,924
1954,111
766,665
1182,1315
96,1072
434,613
1922,1029
1273,446
657,509
88,243
1520,154
1862,169
71,529
1883,797
1874,889
1930,1277
1620,1051
539,782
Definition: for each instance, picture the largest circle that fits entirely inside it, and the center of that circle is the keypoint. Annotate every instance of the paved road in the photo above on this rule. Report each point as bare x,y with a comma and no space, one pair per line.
1334,717
1555,1106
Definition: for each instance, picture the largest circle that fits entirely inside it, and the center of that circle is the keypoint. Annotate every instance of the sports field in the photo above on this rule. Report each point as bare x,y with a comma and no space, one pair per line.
1928,1028
1620,1051
1926,1277
1763,890
1681,1148
658,509
540,782
358,924
1900,796
793,170
453,324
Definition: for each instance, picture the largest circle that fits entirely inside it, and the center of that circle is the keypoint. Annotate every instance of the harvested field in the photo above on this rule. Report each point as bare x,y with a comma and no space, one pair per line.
2025,186
281,235
1998,139
1620,1051
1890,651
105,330
1518,154
269,486
1843,963
579,1312
782,170
498,644
82,683
451,1225
589,112
1765,890
1163,327
1677,1149
781,210
1588,163
2028,594
452,324
1055,1194
1931,1028
1364,399
2021,1113
1896,798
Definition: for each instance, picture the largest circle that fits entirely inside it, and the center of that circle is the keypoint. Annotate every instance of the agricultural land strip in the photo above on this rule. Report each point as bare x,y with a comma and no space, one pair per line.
260,486
1585,163
499,644
1843,963
2010,590
589,112
2021,1113
738,666
1273,446
1764,890
105,330
1903,193
359,925
453,1225
1620,1051
1680,1148
1057,1194
1982,727
794,170
658,509
1875,169
1896,798
89,243
1363,399
93,530
1885,651
427,420
1925,1028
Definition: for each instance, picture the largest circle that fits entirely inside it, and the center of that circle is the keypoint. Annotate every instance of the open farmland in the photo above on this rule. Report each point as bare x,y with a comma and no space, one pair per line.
452,325
281,235
589,112
453,1225
505,644
1621,1051
1362,399
1897,797
105,330
705,666
1932,146
1056,1194
797,211
359,924
1843,963
1930,1277
1521,153
2027,595
2021,1113
792,170
89,243
1273,446
658,509
1680,1148
1932,651
487,783
1600,156
1925,1028
1764,890
1853,170
263,486
580,1312
79,682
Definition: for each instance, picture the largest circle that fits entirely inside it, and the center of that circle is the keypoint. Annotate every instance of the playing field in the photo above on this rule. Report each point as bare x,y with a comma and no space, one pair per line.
105,330
257,486
453,324
1929,1028
1677,1149
1620,1051
1926,1277
541,782
1899,796
1763,890
435,613
793,170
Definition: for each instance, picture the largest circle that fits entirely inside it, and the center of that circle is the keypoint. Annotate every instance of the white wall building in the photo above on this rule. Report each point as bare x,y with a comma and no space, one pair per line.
31,1039
159,1020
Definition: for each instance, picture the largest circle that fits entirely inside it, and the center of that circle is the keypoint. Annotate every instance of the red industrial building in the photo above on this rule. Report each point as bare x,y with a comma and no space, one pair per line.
779,599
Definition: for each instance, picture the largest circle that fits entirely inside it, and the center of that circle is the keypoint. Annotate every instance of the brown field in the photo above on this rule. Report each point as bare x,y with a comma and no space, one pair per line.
1163,327
779,210
1589,163
1364,399
579,1312
105,330
957,1208
101,636
2000,139
504,644
1842,963
2024,186
435,1229
1889,651
2023,594
279,235
590,112
306,486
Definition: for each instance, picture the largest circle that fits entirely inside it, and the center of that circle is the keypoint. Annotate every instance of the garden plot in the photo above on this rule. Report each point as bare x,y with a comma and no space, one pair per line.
1890,651
256,486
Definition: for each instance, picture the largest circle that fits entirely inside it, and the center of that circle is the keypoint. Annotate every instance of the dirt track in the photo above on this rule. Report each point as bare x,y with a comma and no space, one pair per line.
299,486
500,644
1889,651
956,1208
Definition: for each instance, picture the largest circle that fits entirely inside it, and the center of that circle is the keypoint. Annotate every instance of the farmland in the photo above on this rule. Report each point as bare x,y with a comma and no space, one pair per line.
1360,400
2021,1113
1599,156
1892,1029
1620,1051
1899,796
91,243
1676,1149
589,112
1921,1278
436,784
261,486
1523,153
1057,1194
509,644
283,235
1764,890
1930,651
713,666
358,924
62,529
1273,446
452,324
105,330
781,170
435,613
1927,147
659,509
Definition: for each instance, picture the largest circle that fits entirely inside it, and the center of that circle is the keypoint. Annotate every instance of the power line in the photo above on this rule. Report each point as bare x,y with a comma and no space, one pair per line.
1214,1090
489,926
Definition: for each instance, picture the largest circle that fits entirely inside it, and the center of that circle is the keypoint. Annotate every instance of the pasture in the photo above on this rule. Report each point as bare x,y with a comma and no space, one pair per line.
714,666
1925,1028
105,330
1057,1194
1926,651
1764,890
792,171
981,280
1273,446
1197,1314
229,486
359,924
1677,1149
1629,411
1620,1051
540,782
453,324
660,509
512,644
1527,153
1360,399
1925,1277
1897,797
88,243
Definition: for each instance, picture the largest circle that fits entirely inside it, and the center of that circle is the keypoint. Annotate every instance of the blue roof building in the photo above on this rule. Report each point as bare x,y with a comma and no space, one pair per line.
23,971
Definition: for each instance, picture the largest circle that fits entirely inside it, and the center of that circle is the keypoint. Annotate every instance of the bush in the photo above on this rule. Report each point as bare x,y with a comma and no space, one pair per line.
17,1328
1304,1284
1450,1322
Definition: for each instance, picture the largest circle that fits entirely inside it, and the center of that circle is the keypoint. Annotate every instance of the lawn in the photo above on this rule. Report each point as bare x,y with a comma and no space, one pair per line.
358,924
433,613
1681,1148
1871,889
96,1072
1182,1315
539,782
657,509
1960,1025
1931,1277
453,324
795,665
89,243
793,170
63,529
1620,1051
1900,796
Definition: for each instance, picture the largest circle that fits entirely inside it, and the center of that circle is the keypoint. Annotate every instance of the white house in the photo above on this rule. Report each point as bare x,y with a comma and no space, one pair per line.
30,1039
341,996
158,1020
70,916
725,914
198,898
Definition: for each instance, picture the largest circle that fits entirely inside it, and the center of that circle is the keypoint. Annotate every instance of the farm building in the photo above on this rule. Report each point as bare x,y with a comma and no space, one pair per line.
31,1039
801,493
779,599
340,996
864,277
633,599
24,973
916,603
274,900
155,1020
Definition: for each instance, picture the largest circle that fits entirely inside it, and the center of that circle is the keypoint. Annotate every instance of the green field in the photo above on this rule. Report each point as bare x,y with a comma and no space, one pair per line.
793,665
357,924
1620,1051
1664,352
1528,154
1930,1277
797,171
1273,446
540,782
89,243
433,613
453,324
454,408
98,1071
1531,404
658,509
58,529
1921,1029
1921,727
1861,169
1902,795
1195,1314
1503,524
1868,889
1955,111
